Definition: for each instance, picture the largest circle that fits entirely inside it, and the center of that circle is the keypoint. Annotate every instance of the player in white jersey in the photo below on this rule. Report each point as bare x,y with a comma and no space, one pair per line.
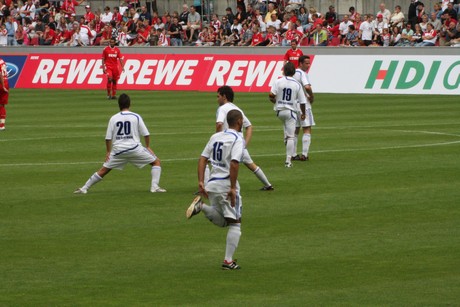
302,76
225,96
289,98
123,145
224,151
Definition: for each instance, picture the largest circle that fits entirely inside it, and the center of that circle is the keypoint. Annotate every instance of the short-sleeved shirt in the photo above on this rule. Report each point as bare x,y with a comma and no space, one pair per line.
293,56
222,148
193,18
289,93
111,56
302,77
124,130
221,115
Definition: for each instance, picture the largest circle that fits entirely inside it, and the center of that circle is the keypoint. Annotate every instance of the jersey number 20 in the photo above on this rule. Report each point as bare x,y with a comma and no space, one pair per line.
124,128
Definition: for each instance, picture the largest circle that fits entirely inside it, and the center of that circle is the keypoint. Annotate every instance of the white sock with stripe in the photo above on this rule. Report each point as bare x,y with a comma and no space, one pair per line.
306,141
261,176
95,178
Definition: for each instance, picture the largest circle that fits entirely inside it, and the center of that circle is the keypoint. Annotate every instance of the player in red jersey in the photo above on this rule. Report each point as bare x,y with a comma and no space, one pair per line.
4,91
293,54
110,57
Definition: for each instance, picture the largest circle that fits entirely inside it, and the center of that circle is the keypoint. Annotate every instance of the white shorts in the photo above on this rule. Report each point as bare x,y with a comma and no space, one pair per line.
223,205
308,121
247,157
140,156
289,118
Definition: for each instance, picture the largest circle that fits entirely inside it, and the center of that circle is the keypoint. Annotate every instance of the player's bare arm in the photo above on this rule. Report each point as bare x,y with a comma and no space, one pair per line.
309,91
234,166
2,83
122,63
219,126
108,148
272,97
247,135
147,143
201,167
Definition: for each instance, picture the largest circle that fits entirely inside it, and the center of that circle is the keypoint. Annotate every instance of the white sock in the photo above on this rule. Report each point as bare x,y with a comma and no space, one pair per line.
296,139
233,237
156,174
306,141
289,149
261,175
213,215
95,178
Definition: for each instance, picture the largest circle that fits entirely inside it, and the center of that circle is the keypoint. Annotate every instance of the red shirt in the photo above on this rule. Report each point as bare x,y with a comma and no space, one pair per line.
293,56
257,39
110,56
89,17
4,73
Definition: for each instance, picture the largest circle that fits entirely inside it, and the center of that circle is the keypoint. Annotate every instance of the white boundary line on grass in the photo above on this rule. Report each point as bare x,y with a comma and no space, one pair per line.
261,155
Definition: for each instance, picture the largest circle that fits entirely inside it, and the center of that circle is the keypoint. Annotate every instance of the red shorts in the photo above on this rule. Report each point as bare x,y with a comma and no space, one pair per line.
3,97
113,73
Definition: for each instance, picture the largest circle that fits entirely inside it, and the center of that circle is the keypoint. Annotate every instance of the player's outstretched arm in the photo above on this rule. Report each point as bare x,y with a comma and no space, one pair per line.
234,167
272,97
108,148
247,135
201,168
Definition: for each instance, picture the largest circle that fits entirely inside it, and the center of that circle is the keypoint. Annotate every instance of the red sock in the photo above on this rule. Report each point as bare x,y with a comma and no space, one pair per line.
114,89
109,87
2,112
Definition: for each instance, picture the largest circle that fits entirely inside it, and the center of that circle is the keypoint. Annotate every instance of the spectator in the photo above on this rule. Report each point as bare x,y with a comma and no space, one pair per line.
303,17
385,37
437,9
68,7
412,13
48,37
451,11
134,15
163,39
122,38
406,36
270,12
193,22
106,35
353,14
229,14
423,23
386,14
226,25
20,35
107,16
210,39
215,23
435,22
397,18
246,36
198,7
117,16
320,36
293,5
273,36
27,11
183,17
417,36
3,35
232,39
154,37
275,22
378,25
447,34
89,16
344,27
257,37
292,34
236,25
145,15
395,36
366,31
240,14
286,24
352,37
429,37
11,27
175,33
331,15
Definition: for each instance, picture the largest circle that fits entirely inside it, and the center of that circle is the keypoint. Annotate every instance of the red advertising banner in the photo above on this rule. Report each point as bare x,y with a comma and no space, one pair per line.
191,72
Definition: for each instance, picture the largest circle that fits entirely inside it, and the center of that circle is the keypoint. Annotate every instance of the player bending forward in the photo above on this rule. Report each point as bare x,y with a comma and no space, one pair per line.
123,145
224,151
110,57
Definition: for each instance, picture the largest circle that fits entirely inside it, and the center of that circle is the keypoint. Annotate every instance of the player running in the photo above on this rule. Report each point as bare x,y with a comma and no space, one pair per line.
224,151
111,55
4,93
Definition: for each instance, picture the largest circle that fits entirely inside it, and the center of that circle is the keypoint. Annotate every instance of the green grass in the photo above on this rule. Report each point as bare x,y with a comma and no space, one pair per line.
372,219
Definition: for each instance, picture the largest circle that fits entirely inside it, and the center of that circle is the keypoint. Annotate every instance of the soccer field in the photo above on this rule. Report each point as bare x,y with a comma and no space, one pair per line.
372,219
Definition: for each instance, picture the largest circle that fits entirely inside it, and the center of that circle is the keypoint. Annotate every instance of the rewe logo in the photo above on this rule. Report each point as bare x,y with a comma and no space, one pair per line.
413,73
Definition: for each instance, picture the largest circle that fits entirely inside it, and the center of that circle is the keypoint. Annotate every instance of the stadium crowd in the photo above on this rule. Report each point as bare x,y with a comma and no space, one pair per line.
257,23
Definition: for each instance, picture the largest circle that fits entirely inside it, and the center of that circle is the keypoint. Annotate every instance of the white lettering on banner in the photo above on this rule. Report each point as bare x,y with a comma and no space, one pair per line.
248,71
166,71
96,73
58,71
41,74
79,70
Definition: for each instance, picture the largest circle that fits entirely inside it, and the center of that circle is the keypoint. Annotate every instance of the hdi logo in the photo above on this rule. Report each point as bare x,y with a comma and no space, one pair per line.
414,73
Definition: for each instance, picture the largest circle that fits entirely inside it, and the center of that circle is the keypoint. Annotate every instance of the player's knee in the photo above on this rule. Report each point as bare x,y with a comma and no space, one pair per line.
157,162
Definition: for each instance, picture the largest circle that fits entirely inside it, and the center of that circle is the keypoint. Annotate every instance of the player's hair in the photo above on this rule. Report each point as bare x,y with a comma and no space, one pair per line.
303,58
289,69
233,116
124,102
226,91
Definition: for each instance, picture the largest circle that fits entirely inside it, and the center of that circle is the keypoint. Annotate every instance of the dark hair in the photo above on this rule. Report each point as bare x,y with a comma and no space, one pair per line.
124,102
302,58
289,69
226,91
233,116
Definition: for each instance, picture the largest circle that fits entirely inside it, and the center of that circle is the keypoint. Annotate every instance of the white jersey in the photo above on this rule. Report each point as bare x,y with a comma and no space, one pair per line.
125,129
366,30
221,115
222,148
288,94
303,79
